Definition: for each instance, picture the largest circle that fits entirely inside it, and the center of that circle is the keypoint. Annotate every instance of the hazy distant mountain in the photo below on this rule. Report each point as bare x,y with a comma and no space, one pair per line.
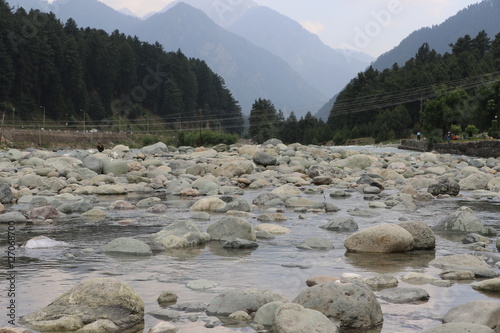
324,112
250,72
88,13
127,11
224,13
324,68
469,21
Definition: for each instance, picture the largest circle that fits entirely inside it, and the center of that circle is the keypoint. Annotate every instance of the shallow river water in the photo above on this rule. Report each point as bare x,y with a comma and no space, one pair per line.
276,265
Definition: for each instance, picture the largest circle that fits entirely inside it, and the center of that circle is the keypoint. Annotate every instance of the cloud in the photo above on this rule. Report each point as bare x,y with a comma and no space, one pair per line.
313,26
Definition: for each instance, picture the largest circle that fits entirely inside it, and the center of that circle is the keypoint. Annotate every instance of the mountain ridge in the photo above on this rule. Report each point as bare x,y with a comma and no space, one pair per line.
468,21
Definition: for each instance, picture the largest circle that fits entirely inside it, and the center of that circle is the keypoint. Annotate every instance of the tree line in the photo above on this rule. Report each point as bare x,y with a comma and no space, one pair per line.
430,93
74,73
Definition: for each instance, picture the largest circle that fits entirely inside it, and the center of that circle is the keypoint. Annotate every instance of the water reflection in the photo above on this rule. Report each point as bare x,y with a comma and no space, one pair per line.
389,263
217,249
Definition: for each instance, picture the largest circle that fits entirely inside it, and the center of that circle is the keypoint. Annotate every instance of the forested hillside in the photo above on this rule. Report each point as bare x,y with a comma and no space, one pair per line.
70,73
430,93
469,21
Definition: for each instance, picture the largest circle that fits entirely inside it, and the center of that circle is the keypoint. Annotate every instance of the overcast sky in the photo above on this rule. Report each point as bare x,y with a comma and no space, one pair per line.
370,26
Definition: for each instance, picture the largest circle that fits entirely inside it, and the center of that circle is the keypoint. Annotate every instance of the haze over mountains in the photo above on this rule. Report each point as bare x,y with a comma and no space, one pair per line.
286,64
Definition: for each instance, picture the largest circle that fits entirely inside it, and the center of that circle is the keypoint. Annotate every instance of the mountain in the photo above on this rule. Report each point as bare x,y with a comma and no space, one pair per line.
224,13
322,67
469,21
88,13
250,72
324,112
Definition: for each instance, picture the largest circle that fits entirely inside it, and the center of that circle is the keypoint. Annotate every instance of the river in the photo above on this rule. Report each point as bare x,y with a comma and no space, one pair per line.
276,265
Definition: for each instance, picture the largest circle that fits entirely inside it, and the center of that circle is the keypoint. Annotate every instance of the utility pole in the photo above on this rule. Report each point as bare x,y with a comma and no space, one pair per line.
83,120
43,107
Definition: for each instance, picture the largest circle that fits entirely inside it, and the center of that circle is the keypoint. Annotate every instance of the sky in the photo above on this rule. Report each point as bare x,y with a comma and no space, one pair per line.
369,26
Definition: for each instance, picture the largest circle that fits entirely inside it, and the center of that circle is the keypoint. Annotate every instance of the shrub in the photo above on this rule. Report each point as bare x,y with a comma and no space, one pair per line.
471,130
206,138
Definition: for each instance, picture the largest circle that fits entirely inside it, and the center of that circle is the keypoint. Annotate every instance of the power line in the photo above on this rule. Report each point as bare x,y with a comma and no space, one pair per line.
382,100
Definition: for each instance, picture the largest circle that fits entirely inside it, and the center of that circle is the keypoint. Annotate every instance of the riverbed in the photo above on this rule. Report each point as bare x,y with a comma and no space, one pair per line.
276,265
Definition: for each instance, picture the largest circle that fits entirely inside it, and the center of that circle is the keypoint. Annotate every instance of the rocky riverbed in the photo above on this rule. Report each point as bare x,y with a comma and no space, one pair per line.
250,238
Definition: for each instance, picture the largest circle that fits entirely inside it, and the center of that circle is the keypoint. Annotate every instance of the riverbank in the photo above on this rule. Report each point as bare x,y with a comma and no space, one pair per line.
484,148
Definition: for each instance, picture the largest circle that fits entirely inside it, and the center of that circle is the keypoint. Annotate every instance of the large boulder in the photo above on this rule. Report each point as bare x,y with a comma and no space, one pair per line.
249,300
341,224
489,285
475,181
350,305
360,161
125,245
210,204
463,221
383,238
423,236
294,318
88,303
93,163
481,312
231,227
404,295
180,234
156,148
264,159
115,166
444,186
468,262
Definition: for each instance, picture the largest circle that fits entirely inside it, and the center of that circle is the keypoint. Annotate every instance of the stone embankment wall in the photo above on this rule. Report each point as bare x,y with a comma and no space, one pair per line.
486,148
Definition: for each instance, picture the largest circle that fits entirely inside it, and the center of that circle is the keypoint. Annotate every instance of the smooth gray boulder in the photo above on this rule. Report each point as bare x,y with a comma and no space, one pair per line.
463,220
265,314
156,148
267,199
489,285
180,234
115,166
175,186
264,159
481,312
206,187
87,303
469,262
93,163
404,295
350,305
230,228
341,224
423,236
382,238
126,245
294,318
249,300
15,216
382,281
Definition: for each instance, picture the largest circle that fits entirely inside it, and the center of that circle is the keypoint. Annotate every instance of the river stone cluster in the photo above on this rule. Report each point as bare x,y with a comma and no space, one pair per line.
54,184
